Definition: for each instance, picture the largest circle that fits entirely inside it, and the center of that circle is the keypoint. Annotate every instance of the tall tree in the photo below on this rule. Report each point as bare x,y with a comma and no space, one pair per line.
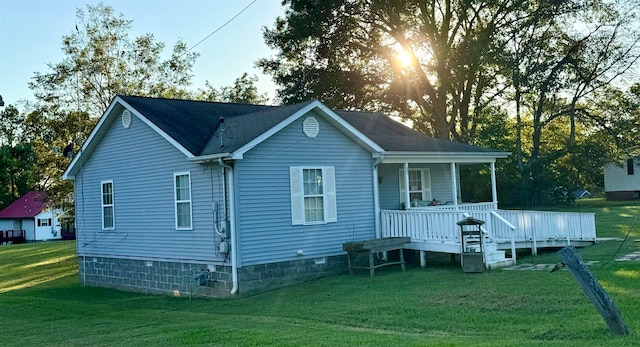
101,61
447,65
17,158
434,62
558,70
243,91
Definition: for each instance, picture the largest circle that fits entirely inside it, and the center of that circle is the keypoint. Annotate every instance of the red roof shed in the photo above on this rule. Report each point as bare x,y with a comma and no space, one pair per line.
27,206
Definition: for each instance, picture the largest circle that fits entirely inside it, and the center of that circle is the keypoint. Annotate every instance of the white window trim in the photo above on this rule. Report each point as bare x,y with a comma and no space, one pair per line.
176,201
328,195
112,205
426,184
44,222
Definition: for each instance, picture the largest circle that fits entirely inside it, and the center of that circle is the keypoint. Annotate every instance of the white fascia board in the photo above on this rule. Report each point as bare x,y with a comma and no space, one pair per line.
99,130
207,158
443,157
332,116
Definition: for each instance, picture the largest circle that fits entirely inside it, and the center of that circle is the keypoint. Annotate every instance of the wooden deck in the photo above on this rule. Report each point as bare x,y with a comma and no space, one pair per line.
435,229
12,236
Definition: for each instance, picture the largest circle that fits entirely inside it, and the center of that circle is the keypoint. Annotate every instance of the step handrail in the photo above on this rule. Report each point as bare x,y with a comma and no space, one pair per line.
513,234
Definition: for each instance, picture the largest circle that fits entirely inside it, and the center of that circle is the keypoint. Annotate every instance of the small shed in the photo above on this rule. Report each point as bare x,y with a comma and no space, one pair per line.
32,214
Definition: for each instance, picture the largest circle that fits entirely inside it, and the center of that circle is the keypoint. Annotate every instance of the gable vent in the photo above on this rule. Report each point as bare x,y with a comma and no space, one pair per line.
126,118
310,127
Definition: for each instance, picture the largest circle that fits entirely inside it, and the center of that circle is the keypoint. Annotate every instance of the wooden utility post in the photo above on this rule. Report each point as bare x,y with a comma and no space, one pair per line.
598,296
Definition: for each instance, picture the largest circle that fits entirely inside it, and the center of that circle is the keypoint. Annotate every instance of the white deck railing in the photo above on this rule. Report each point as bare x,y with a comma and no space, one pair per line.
480,206
422,225
537,226
433,224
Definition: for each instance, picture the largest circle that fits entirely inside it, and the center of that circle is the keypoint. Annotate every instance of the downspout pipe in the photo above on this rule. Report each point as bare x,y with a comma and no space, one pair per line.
376,196
232,218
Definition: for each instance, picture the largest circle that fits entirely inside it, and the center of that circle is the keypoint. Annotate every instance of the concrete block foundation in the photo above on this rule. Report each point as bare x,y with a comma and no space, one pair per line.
206,280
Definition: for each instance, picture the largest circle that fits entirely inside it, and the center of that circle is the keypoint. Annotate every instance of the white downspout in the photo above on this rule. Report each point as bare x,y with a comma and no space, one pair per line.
494,189
232,218
376,197
407,197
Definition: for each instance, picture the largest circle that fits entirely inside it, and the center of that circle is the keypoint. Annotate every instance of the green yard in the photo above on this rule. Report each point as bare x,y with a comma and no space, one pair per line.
41,304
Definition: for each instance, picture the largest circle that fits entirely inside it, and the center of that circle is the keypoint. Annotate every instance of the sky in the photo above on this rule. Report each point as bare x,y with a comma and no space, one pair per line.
31,37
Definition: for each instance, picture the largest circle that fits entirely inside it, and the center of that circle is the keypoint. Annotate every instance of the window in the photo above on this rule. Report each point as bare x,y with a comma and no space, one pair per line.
419,187
44,222
629,166
183,200
108,218
313,195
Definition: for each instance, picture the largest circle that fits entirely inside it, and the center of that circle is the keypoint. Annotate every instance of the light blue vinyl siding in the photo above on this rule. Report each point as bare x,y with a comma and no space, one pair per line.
266,233
141,165
8,224
390,188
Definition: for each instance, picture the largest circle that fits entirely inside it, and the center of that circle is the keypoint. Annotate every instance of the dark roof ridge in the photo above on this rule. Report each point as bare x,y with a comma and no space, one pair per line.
123,96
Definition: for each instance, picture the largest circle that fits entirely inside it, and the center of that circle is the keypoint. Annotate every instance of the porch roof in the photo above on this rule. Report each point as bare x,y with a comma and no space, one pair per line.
403,144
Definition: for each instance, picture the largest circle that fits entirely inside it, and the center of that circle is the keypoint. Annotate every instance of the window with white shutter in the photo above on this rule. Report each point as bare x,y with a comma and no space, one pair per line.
313,195
419,187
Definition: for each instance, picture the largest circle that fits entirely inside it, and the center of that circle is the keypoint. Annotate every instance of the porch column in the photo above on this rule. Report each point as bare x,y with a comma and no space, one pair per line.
454,185
376,199
407,202
494,190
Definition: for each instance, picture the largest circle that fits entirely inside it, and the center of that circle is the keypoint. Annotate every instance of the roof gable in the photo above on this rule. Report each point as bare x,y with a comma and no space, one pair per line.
27,206
315,108
192,124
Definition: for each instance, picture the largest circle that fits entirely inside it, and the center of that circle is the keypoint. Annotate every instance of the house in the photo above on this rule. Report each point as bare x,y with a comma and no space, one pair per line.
622,180
31,214
581,194
200,198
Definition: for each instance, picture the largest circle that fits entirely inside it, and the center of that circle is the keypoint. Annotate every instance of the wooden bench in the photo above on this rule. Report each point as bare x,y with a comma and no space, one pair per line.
375,246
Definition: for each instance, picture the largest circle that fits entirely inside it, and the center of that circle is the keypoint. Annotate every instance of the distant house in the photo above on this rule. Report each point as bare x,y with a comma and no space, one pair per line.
187,197
31,214
580,194
622,180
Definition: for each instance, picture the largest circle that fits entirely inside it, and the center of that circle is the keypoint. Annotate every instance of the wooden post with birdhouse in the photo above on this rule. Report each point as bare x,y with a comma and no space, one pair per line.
471,241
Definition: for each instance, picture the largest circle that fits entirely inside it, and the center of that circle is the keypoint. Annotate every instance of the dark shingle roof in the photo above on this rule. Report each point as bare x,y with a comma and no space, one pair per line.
196,126
394,136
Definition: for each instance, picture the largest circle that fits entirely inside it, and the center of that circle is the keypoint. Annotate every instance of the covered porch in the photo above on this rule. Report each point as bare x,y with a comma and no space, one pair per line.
428,210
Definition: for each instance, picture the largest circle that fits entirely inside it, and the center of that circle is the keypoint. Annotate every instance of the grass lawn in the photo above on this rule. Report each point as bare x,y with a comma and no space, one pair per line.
41,304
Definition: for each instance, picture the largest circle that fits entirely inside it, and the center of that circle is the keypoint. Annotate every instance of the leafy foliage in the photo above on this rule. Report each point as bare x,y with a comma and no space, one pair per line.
101,61
17,158
451,66
243,91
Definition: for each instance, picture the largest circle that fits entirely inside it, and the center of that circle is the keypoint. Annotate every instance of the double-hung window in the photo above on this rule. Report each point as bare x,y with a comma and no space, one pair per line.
108,212
183,200
313,195
44,222
419,186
